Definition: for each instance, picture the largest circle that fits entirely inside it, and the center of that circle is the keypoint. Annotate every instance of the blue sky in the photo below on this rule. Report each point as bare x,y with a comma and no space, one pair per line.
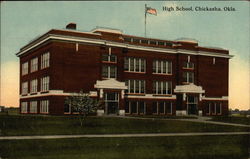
23,21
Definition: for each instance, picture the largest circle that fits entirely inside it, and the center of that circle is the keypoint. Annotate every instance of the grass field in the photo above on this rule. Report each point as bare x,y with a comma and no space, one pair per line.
202,147
52,125
233,119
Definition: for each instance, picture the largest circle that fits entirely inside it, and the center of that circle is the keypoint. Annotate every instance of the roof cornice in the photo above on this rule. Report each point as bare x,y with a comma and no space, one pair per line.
117,44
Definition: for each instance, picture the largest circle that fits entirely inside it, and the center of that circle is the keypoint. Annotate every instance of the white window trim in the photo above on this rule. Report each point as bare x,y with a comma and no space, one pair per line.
45,84
45,60
44,106
168,84
187,78
140,86
34,64
24,107
109,73
25,68
33,86
162,63
33,107
25,88
133,59
209,107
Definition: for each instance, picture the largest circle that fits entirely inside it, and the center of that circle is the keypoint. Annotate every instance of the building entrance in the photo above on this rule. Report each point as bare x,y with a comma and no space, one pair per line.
111,102
192,102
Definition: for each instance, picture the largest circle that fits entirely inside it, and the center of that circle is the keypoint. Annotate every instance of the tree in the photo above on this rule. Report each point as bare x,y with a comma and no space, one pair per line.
83,104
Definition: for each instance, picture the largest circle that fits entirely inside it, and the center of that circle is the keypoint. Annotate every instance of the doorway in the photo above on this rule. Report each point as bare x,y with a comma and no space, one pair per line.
111,102
192,102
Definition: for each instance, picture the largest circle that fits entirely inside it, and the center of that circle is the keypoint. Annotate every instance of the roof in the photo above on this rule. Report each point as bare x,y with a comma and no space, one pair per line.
104,35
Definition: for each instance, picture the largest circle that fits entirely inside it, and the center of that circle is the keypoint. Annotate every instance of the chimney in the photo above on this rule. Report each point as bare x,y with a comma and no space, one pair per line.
71,26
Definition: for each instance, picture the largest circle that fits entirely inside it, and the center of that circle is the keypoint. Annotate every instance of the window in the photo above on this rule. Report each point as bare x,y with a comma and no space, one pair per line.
127,103
142,108
109,57
162,67
144,41
218,108
161,43
162,87
109,71
208,107
213,108
168,108
33,107
155,110
188,77
45,83
134,64
162,108
135,107
127,39
152,42
33,86
25,88
214,61
45,60
34,65
136,40
44,106
25,68
24,107
135,86
188,65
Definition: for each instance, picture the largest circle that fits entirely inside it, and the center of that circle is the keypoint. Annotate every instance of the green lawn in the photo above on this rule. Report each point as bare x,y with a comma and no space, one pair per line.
233,119
198,147
52,125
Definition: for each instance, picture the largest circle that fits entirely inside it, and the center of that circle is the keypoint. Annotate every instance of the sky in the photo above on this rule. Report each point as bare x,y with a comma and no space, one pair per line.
22,21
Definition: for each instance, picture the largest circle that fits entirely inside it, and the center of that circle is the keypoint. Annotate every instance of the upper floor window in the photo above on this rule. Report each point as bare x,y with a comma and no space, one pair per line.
188,77
135,86
34,65
24,107
162,67
109,57
127,39
134,64
189,65
45,60
144,41
162,87
25,87
25,68
152,42
161,43
33,86
45,83
109,71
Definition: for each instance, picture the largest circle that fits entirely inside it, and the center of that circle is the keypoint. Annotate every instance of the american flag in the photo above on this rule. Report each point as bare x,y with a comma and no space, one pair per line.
151,11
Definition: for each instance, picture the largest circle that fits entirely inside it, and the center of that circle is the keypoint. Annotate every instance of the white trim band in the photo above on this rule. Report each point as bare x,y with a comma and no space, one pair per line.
215,98
54,93
150,96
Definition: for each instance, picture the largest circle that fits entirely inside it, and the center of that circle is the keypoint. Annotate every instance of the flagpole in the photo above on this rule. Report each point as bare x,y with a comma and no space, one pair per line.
145,20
